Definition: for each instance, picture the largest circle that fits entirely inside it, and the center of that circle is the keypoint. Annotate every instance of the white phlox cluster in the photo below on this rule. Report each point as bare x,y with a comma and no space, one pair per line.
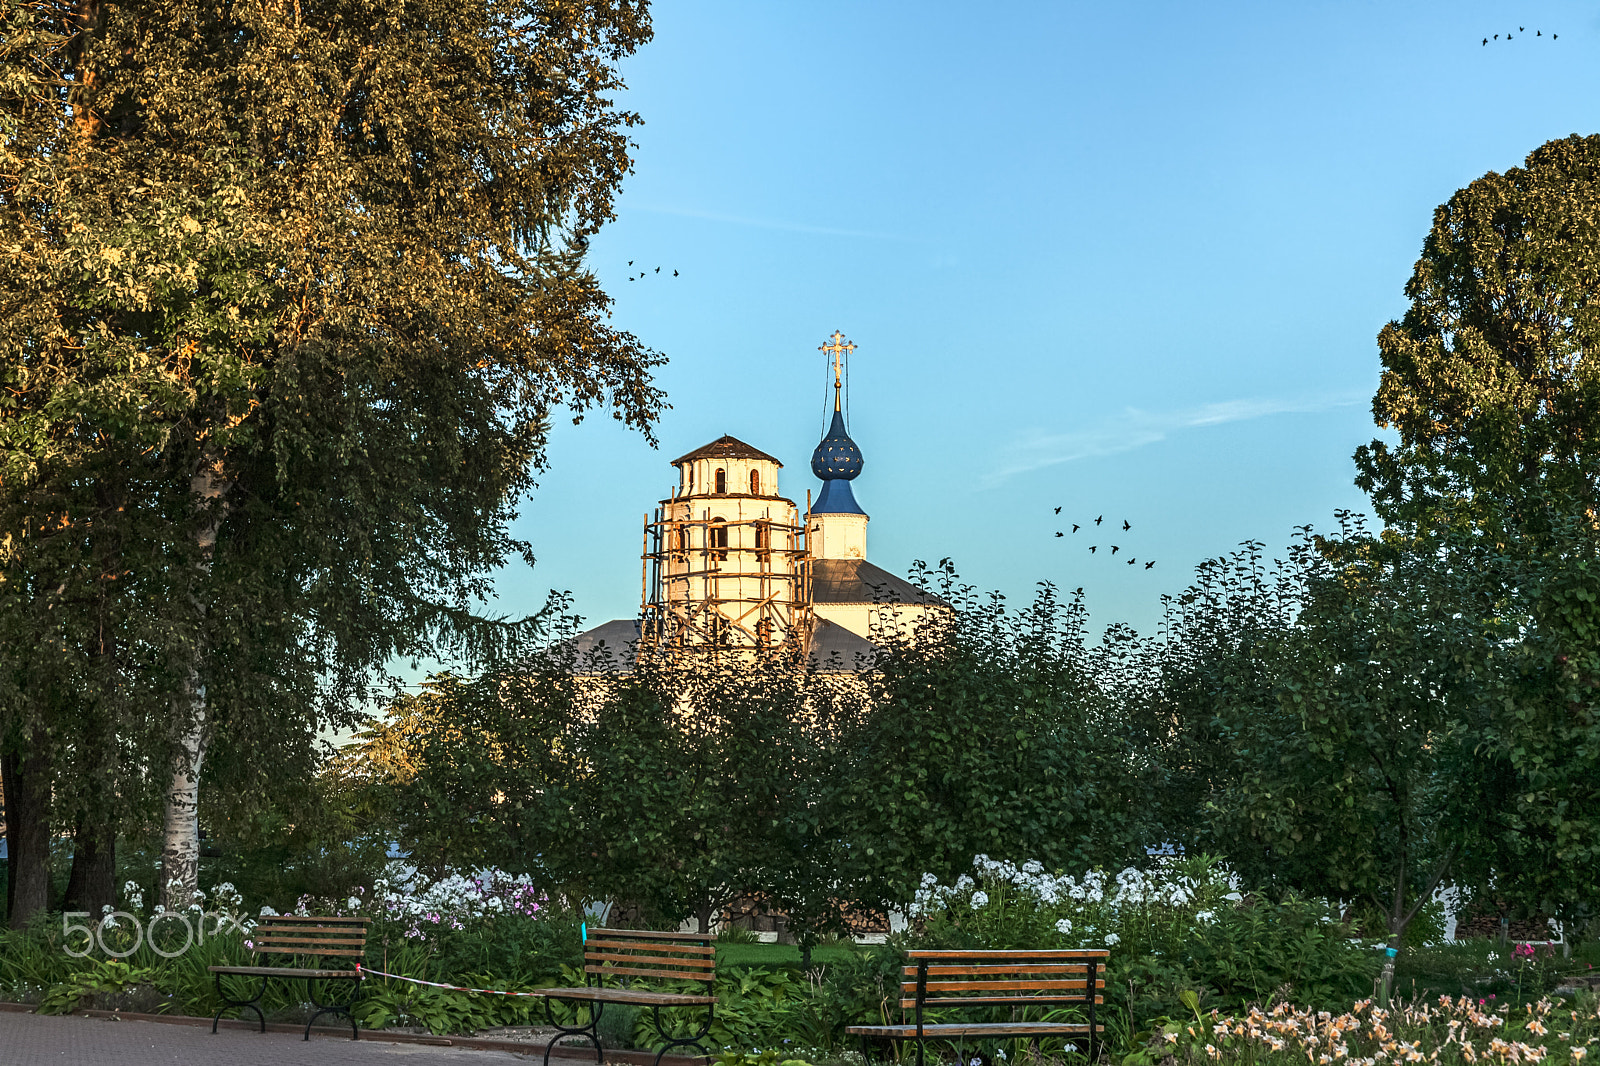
457,899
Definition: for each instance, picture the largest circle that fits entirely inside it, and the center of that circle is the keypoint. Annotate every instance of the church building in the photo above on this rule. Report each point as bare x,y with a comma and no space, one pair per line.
731,566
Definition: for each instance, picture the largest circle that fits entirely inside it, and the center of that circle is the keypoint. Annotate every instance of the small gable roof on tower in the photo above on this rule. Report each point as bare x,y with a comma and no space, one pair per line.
726,447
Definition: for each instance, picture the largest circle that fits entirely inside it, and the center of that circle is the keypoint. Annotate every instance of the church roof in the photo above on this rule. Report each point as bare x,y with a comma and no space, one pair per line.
607,648
858,581
834,648
726,447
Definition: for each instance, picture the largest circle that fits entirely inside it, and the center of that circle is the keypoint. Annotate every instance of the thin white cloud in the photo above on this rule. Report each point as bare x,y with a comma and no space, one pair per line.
765,223
1133,428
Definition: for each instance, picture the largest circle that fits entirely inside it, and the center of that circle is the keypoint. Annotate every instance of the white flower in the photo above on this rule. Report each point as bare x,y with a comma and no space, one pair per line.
352,903
1233,897
1206,917
929,880
1112,940
980,899
268,912
1064,926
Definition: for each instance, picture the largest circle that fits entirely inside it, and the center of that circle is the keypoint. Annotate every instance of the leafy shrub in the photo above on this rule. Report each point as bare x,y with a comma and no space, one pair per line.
108,977
1181,925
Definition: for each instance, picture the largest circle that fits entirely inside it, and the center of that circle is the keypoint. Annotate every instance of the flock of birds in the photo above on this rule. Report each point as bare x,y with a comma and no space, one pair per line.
1521,29
643,272
1115,548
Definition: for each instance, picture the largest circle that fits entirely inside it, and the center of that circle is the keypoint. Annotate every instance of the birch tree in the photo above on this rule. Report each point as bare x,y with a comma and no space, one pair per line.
310,278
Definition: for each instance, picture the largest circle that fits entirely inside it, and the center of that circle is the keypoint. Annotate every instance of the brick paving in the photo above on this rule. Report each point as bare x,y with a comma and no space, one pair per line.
35,1040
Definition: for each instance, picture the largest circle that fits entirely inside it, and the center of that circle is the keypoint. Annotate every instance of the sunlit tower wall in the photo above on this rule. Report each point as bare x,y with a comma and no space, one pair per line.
725,565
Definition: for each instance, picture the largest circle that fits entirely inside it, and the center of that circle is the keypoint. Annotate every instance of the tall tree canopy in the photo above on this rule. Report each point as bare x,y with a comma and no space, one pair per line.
1492,378
289,292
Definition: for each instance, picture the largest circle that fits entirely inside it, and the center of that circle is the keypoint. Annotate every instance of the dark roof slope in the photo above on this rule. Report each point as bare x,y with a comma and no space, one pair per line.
858,581
619,636
726,447
835,649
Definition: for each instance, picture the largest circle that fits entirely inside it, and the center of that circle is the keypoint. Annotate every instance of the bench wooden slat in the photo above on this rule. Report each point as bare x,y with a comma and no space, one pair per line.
687,975
977,1029
697,963
628,995
999,1001
273,949
998,968
937,987
301,938
988,955
318,918
281,971
634,945
646,934
312,927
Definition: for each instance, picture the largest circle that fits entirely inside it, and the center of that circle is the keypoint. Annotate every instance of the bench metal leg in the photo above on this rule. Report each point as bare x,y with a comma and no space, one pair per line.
328,1008
254,1003
591,1032
692,1041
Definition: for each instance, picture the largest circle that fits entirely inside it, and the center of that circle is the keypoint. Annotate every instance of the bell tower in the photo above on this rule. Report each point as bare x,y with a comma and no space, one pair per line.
724,555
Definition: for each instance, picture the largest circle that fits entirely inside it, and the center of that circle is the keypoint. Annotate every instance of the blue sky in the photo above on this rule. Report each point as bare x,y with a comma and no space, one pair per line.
1129,259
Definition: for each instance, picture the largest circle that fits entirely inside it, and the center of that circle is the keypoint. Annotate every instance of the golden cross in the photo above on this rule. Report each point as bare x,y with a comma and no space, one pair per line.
838,347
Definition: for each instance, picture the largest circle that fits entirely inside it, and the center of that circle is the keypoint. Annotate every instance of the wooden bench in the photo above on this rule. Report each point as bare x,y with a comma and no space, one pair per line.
632,955
942,980
309,937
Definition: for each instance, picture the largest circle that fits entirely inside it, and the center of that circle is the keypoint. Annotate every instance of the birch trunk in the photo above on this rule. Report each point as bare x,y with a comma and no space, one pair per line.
180,838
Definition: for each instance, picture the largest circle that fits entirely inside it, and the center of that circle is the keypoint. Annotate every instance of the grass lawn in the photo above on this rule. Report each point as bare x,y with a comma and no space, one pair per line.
779,954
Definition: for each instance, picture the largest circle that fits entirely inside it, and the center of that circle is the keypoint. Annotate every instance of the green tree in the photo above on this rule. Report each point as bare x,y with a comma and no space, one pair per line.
1491,379
987,734
1492,386
308,280
1358,782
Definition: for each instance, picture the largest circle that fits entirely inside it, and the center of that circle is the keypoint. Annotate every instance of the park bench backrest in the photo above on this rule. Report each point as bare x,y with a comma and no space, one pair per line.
299,934
631,953
1046,978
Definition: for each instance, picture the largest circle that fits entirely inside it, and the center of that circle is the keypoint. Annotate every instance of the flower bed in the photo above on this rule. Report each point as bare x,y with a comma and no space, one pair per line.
1458,1029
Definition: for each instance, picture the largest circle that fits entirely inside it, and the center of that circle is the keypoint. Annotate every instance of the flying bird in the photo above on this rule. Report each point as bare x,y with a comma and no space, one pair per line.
1538,33
1097,520
674,273
1553,36
1115,548
1076,527
1058,510
1151,563
630,262
1132,561
1486,40
1522,29
1092,547
658,270
1125,526
1059,533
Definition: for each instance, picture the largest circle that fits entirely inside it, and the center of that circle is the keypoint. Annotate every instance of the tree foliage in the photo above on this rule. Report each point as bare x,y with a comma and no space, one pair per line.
1491,379
290,292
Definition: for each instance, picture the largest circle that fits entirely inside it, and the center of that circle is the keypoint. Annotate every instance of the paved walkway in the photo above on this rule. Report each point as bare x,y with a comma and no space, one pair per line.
35,1040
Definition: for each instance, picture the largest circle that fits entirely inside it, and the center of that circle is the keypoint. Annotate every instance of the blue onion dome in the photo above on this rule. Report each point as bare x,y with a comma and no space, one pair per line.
837,458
